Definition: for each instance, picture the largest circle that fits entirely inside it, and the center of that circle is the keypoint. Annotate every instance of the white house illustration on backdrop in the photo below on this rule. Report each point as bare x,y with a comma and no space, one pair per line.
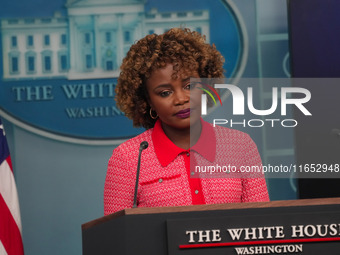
89,43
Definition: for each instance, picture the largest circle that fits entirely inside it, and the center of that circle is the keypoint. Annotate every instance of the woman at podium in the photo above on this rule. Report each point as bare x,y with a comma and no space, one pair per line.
154,90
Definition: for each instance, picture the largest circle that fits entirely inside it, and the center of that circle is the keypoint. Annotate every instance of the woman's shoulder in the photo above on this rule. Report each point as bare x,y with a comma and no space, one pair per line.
133,144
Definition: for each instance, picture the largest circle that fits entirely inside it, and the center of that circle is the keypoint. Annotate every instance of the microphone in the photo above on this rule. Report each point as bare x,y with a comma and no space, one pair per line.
143,145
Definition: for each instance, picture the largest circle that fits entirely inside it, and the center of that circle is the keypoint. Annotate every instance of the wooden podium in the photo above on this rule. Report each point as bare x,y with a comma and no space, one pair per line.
310,226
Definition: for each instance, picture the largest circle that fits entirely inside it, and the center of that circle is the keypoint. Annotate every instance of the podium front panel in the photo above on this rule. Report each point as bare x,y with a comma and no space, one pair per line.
269,231
311,233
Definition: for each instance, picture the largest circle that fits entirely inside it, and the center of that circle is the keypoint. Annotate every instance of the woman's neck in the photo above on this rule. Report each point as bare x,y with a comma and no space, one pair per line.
184,138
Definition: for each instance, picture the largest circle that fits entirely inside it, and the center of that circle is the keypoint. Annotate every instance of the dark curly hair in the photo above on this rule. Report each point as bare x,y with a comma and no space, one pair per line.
187,51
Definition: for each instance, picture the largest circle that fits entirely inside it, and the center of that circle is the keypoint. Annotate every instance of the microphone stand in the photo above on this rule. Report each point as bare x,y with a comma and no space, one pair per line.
142,147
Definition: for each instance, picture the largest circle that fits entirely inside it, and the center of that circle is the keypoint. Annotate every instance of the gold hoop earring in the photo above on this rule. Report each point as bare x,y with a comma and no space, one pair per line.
153,117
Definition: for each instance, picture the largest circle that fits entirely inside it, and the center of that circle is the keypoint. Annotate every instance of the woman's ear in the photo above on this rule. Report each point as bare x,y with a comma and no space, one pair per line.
150,104
148,100
146,94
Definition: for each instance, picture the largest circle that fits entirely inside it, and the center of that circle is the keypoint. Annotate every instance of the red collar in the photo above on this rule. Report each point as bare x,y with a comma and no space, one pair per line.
167,151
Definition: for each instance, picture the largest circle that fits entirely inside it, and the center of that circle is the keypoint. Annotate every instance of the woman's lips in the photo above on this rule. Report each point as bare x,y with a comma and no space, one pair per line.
183,113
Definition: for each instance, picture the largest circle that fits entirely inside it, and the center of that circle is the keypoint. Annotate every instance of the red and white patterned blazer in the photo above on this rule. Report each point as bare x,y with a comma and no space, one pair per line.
165,171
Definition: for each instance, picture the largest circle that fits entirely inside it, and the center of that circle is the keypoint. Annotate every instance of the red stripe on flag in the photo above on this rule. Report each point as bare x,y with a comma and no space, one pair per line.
9,232
9,162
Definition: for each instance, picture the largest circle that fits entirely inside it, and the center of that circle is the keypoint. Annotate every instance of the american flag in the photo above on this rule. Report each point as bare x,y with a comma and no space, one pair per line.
10,222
